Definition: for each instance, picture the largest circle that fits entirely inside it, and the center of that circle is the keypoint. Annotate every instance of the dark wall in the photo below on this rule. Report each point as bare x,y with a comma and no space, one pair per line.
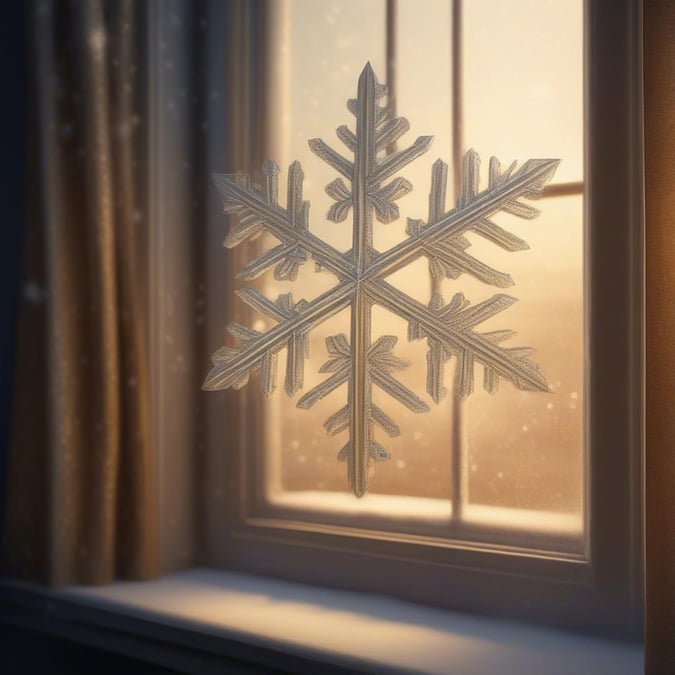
12,109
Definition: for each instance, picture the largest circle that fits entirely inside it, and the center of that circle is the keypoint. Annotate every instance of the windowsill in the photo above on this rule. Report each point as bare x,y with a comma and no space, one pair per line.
192,619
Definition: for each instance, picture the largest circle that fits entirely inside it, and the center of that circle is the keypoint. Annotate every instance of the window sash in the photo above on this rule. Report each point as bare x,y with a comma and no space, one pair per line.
529,526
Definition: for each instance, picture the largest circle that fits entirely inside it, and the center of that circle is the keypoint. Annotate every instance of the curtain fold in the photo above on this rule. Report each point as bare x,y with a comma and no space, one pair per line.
659,118
82,495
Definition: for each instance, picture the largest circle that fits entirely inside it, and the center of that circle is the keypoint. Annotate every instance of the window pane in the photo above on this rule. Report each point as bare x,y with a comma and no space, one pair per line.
525,449
522,98
523,81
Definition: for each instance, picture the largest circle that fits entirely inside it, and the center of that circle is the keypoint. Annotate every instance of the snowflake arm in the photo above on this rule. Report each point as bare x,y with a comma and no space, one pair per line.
448,330
528,181
231,366
258,210
367,198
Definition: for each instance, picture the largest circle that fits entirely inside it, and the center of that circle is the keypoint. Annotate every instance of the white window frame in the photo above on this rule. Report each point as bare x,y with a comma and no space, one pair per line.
598,588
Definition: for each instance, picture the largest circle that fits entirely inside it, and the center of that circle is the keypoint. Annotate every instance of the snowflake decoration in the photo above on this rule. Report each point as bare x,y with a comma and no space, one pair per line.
356,360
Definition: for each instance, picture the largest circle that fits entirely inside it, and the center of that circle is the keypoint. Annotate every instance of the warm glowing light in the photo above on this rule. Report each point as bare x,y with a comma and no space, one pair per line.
522,97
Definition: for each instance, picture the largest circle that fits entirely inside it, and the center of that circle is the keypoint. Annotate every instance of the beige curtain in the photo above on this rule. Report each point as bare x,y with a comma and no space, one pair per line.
81,495
659,83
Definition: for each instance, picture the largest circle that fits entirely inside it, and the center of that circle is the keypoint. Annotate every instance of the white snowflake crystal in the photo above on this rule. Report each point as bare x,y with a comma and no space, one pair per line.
356,360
